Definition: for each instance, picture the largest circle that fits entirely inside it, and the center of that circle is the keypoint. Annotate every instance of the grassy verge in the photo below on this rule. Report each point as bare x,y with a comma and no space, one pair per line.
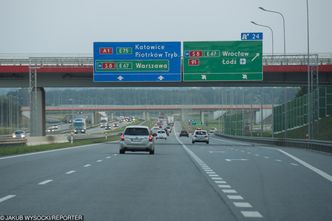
21,149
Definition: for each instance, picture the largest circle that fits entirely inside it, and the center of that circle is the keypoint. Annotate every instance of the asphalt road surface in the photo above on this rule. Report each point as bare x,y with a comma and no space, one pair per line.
223,180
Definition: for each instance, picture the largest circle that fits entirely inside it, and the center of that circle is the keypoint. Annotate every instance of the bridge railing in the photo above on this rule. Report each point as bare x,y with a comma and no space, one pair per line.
291,59
296,59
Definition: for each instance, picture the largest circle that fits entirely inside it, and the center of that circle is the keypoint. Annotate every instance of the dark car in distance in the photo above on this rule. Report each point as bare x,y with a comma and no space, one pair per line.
184,133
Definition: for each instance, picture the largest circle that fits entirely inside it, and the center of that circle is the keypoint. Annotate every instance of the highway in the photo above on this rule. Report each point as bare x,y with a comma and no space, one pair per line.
223,180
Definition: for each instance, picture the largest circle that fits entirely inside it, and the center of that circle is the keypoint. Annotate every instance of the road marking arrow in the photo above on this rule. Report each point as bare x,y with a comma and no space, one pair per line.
229,160
254,58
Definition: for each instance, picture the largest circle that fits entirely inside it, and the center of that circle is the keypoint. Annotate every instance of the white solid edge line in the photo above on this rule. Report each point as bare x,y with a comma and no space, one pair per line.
307,165
6,198
45,182
47,151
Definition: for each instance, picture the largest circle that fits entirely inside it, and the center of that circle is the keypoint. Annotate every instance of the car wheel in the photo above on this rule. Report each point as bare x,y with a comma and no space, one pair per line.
207,142
122,151
192,142
151,152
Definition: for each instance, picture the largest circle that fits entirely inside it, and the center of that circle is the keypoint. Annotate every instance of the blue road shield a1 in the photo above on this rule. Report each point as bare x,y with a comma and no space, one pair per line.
137,61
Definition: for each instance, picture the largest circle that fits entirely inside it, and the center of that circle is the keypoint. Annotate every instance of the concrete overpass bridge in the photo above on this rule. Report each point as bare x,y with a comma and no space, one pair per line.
289,70
39,72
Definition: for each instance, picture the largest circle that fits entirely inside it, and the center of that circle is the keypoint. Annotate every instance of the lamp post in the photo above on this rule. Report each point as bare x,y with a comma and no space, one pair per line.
283,22
265,26
309,100
285,90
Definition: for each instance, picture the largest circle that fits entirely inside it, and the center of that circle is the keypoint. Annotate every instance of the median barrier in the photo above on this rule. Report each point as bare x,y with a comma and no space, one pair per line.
32,141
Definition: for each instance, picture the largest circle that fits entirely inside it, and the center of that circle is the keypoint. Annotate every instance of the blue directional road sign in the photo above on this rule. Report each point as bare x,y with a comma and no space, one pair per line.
137,61
252,36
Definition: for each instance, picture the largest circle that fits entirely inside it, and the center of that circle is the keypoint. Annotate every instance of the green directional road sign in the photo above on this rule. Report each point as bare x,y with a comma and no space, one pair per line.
223,61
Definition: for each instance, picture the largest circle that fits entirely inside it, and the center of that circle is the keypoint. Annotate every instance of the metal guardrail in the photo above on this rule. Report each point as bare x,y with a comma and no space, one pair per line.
11,141
291,59
320,145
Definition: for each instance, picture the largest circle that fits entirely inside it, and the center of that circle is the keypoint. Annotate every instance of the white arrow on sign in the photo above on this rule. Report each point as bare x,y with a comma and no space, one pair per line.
161,78
203,77
244,76
120,78
229,160
254,58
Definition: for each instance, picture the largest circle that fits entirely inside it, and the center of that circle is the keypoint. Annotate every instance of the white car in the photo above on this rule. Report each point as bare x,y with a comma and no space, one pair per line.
200,136
161,134
136,138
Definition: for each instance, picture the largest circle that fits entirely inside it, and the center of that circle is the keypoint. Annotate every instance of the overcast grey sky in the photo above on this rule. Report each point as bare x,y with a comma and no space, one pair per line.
71,26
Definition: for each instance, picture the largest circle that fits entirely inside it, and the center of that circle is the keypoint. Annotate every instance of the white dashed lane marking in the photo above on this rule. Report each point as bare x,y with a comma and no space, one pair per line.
224,187
242,204
45,182
235,197
229,191
251,214
70,172
220,181
98,161
3,199
108,157
87,165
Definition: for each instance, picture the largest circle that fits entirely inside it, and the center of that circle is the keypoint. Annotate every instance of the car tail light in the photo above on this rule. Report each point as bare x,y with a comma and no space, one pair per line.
150,138
122,137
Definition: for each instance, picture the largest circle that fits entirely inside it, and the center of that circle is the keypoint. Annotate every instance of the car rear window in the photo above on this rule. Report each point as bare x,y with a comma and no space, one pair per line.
161,132
136,131
200,133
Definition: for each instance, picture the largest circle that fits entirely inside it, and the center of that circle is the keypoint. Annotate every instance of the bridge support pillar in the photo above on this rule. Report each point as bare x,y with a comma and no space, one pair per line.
146,115
182,115
202,117
37,112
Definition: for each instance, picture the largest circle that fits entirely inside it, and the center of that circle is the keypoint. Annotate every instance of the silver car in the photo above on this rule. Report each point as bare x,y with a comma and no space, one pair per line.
200,136
136,138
